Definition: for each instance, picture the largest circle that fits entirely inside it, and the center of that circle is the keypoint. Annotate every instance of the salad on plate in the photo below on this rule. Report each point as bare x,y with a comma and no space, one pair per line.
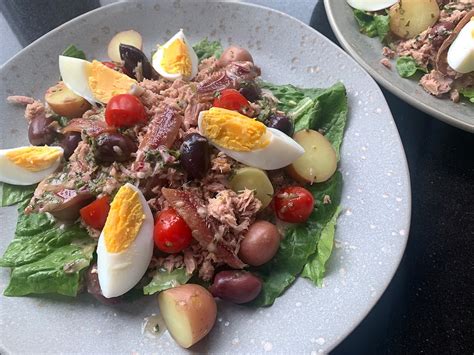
182,174
431,41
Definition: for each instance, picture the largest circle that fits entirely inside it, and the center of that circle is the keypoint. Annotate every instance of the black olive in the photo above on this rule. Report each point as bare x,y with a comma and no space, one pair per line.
131,56
282,123
251,91
112,147
40,132
194,157
69,143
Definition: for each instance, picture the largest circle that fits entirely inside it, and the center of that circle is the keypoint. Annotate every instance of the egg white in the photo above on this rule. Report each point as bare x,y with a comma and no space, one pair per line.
158,56
75,75
120,272
461,51
16,175
280,152
371,5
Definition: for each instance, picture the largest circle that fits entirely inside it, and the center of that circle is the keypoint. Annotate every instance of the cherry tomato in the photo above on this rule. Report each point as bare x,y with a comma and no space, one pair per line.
124,110
95,213
231,99
171,233
293,204
111,65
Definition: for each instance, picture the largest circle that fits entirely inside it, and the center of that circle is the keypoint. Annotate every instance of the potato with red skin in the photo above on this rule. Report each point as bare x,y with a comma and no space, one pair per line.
64,102
260,244
235,54
189,312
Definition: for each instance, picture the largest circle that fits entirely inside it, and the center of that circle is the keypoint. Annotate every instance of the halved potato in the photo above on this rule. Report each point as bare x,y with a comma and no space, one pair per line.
409,18
253,179
64,102
130,37
189,312
319,161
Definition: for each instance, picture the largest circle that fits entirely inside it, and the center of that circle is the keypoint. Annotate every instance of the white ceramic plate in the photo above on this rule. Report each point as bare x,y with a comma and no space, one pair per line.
368,52
372,230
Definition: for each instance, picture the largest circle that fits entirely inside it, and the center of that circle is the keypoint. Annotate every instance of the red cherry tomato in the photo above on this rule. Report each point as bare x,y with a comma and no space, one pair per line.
95,213
231,99
124,110
171,233
293,204
111,65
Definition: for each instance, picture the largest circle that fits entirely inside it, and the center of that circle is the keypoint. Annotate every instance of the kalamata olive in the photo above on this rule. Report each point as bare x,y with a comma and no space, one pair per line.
69,143
282,123
114,147
260,244
71,202
40,132
236,286
194,156
93,287
251,91
440,32
131,56
235,54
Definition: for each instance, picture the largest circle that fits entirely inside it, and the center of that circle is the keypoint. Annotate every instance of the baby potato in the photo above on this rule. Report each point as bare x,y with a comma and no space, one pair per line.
189,312
409,18
253,179
64,102
319,161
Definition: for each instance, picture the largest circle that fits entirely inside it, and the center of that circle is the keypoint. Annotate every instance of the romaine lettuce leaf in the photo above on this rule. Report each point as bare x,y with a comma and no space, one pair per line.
316,266
13,194
206,49
46,257
73,51
300,242
407,67
373,25
318,109
163,280
468,93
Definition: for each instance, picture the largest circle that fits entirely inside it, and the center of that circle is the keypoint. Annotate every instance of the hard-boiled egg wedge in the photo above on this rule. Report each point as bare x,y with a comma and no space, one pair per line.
93,81
371,5
247,140
176,59
461,52
125,245
28,165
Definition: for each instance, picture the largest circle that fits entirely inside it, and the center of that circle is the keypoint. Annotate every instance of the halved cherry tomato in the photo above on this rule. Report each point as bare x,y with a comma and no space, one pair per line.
111,65
95,213
124,110
171,233
231,99
293,204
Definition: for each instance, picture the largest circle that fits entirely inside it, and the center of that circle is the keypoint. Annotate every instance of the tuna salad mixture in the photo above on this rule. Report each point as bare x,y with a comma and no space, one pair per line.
430,41
181,174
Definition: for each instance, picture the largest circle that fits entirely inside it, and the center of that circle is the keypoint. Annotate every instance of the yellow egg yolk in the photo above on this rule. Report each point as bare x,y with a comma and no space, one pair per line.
124,220
232,130
176,59
105,82
34,158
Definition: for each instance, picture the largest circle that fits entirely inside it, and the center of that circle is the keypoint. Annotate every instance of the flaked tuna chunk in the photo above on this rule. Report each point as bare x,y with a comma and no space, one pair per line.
92,127
188,207
436,83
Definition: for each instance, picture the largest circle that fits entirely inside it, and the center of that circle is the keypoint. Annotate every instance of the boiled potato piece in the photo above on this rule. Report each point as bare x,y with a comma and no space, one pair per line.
409,18
130,37
319,161
189,312
253,179
64,102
